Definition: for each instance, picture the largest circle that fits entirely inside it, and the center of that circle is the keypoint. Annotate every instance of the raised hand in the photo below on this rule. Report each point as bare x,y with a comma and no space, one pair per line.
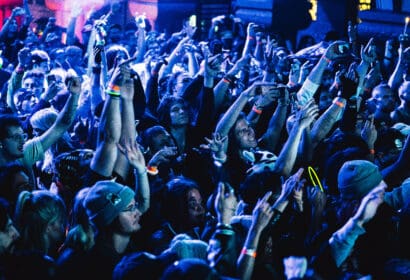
369,132
290,185
370,203
338,49
24,57
216,144
226,203
163,156
73,83
134,155
262,213
307,114
368,53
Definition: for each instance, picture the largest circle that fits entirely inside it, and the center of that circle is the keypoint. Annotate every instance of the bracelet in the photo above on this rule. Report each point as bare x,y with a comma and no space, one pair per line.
218,159
20,70
225,80
326,59
338,103
372,151
113,93
256,110
251,38
114,87
152,170
248,252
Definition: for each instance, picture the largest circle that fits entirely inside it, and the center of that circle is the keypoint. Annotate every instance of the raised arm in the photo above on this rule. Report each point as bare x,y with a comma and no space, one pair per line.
110,127
128,131
230,117
261,216
136,159
313,81
396,78
287,157
66,116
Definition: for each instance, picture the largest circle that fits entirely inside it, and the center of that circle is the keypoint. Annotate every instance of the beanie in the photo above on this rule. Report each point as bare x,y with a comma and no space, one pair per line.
357,177
105,200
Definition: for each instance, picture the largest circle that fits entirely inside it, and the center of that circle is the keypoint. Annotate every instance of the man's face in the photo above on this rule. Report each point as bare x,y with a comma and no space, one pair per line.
34,85
179,115
129,219
384,99
245,135
8,238
13,143
161,141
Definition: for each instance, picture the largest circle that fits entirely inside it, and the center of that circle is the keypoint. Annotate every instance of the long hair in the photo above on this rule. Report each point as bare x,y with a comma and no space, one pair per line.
34,212
175,204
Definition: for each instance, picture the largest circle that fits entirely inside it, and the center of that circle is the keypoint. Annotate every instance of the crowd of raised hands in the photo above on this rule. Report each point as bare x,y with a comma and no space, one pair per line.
282,161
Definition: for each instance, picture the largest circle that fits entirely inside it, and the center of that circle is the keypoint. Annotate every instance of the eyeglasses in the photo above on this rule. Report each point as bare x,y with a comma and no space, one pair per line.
18,137
131,208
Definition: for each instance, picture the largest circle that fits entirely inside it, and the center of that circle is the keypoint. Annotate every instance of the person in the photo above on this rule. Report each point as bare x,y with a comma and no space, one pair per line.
15,179
8,232
114,216
183,211
13,145
383,97
41,218
401,114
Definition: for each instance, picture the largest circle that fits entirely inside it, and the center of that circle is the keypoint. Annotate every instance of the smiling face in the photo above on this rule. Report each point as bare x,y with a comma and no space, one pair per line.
12,144
245,135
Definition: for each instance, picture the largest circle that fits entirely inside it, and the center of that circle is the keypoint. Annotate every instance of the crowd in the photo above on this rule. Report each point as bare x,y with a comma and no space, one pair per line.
225,155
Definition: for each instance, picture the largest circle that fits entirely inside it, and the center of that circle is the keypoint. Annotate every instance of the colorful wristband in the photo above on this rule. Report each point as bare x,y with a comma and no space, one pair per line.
256,110
372,151
248,252
152,170
114,87
113,93
326,59
338,103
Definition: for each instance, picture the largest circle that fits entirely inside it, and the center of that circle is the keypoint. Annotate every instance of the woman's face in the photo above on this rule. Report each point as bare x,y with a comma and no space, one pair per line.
196,209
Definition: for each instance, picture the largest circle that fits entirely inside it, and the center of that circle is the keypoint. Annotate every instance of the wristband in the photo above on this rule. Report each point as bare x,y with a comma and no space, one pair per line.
338,103
20,70
256,110
251,38
113,93
152,170
326,59
114,87
248,252
219,159
225,80
372,151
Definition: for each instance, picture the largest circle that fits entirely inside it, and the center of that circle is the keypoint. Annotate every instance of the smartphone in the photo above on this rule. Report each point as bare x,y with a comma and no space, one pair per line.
343,48
192,21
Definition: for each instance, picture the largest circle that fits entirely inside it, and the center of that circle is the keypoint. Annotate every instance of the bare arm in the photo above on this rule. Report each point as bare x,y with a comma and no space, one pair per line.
65,117
106,153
